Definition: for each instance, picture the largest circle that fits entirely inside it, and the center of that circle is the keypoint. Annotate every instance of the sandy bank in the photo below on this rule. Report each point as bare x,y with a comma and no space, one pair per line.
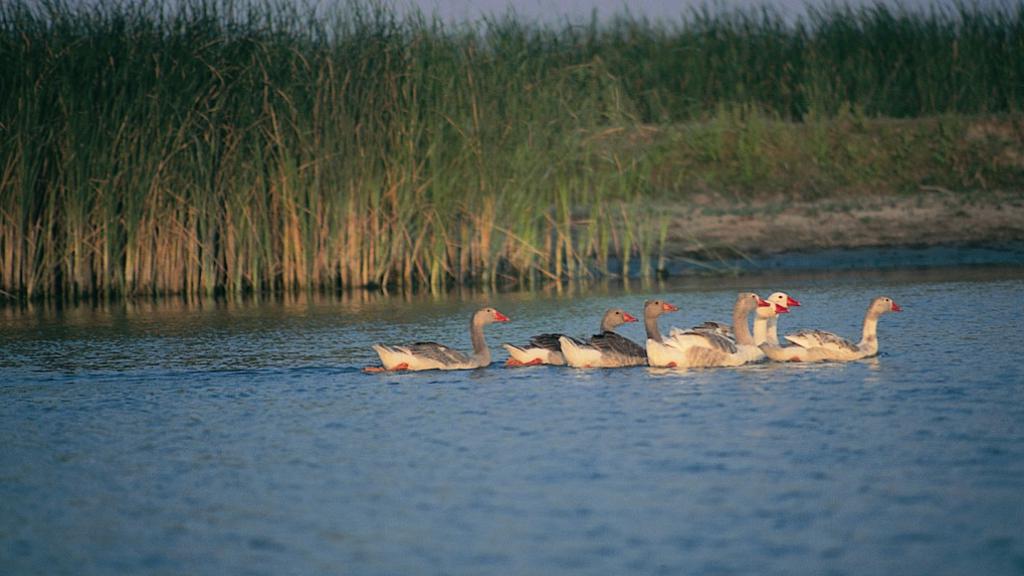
715,228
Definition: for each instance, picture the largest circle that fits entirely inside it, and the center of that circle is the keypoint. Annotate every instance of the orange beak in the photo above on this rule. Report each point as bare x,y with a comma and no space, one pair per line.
790,301
761,302
499,317
627,317
669,307
896,307
781,309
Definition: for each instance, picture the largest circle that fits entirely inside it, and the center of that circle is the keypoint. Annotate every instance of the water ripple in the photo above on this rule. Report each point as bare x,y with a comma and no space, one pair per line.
217,441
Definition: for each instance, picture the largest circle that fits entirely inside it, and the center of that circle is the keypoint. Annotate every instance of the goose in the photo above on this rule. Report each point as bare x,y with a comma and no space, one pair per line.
707,348
434,356
766,320
610,350
818,345
546,349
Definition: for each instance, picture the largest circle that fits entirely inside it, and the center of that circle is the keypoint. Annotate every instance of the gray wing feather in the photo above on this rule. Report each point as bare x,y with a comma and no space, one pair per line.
438,352
548,342
715,340
722,343
718,328
822,339
616,344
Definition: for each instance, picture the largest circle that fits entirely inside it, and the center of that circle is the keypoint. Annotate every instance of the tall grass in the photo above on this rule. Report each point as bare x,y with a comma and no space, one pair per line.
204,147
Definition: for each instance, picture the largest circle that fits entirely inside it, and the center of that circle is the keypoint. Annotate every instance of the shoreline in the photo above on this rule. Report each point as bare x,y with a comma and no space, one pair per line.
931,228
891,263
862,259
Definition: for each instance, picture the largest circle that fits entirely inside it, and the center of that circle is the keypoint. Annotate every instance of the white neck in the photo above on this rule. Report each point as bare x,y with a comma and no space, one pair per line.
773,331
760,329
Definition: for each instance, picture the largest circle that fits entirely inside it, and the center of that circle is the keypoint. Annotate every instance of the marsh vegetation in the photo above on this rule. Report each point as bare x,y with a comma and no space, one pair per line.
210,147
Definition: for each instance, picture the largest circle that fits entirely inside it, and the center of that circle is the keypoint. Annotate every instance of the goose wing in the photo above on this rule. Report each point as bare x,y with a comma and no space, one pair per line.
821,339
703,339
717,328
613,343
723,330
437,352
547,341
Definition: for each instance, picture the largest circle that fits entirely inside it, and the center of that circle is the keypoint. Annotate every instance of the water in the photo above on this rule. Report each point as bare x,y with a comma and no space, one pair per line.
243,439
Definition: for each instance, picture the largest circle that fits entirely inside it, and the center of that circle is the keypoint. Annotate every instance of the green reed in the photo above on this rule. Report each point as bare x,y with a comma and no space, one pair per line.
211,147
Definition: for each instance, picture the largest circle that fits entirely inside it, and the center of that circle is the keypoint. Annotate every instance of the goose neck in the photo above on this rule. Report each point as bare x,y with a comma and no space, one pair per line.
869,335
760,329
651,325
740,327
480,350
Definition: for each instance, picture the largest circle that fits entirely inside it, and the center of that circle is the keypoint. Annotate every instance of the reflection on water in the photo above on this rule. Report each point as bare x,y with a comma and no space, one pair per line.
241,437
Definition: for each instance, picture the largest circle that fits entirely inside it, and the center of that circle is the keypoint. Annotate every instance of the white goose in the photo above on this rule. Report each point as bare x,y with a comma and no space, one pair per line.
610,350
434,356
546,348
700,348
818,345
766,320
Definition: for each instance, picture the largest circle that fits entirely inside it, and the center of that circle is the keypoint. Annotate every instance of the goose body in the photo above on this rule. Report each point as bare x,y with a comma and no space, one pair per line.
434,356
547,348
611,350
542,349
819,345
704,346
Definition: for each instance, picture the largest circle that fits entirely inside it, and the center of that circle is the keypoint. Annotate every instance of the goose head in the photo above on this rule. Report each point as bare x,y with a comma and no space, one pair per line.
884,304
655,308
747,302
614,318
779,304
488,315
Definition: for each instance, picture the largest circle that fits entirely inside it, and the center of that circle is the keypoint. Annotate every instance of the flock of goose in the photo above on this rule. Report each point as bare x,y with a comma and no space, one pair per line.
707,345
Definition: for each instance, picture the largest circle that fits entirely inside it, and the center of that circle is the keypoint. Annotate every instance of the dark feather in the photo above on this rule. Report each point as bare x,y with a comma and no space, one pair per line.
547,342
438,352
613,343
716,328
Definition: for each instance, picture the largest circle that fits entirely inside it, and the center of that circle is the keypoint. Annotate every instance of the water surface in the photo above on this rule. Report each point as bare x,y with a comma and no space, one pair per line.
161,438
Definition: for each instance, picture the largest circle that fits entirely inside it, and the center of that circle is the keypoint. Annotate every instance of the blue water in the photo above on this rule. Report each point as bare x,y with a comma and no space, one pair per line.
242,438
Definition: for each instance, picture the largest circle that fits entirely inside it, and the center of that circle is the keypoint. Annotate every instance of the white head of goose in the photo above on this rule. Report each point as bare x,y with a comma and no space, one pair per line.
766,319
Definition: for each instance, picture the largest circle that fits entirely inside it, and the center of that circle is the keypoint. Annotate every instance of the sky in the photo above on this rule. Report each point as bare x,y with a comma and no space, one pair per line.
580,10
